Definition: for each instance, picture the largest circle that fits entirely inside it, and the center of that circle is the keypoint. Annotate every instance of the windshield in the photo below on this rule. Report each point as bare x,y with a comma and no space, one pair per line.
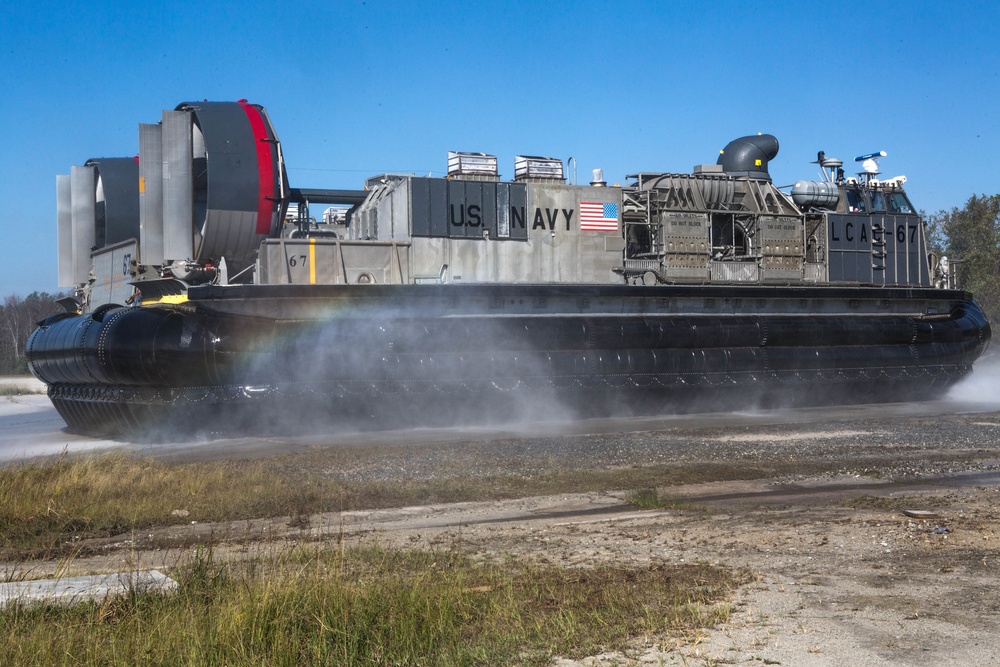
855,201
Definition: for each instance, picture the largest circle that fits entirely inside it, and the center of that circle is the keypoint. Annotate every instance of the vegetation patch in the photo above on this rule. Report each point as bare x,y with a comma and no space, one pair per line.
49,507
651,499
322,606
46,506
18,390
52,507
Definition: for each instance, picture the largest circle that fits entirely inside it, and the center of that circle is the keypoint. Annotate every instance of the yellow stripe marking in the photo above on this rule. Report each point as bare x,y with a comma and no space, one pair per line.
170,298
312,261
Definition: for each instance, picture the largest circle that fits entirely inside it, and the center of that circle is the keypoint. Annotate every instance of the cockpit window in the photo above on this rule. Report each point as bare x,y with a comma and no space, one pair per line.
899,204
855,201
878,201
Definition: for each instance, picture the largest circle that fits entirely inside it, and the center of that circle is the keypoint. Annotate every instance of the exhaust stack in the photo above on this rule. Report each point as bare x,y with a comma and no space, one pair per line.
748,156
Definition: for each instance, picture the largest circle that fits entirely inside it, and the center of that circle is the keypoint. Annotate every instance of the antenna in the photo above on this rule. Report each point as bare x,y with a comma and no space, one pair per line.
869,162
830,167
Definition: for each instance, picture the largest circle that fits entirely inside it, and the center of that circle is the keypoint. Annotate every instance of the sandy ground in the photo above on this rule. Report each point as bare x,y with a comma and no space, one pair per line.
843,576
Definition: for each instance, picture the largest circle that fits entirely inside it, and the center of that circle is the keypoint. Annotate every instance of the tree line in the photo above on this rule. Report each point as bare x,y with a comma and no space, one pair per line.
970,234
18,318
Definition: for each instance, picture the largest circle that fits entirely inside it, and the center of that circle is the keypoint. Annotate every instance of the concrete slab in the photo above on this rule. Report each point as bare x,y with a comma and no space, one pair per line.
30,426
72,590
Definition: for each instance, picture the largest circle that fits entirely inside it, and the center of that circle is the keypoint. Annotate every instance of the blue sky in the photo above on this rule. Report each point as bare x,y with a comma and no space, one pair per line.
359,88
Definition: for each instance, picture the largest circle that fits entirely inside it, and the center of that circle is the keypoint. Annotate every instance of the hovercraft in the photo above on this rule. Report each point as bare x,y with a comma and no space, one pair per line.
205,293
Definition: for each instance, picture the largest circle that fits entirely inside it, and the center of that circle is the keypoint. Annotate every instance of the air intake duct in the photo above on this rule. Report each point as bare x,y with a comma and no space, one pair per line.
748,156
117,199
235,182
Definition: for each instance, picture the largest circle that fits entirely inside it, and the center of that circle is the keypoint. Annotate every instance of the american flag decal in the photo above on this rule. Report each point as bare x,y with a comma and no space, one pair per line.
598,216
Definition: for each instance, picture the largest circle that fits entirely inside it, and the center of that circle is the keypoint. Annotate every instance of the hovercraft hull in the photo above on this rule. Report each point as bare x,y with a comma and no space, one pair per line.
227,354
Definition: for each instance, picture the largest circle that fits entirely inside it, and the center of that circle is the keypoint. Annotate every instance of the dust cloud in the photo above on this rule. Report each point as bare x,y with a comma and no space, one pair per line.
30,427
983,385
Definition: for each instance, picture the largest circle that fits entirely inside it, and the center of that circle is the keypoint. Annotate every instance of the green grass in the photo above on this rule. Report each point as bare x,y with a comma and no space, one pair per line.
320,606
649,499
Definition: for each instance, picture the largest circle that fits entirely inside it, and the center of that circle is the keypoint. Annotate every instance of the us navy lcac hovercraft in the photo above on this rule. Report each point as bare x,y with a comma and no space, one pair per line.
206,291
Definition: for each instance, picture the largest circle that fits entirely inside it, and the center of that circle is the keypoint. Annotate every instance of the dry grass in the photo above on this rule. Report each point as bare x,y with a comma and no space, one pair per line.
47,507
45,504
10,390
321,606
649,499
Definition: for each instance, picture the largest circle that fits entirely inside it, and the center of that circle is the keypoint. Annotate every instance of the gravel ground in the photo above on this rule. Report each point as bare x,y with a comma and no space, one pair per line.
898,449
